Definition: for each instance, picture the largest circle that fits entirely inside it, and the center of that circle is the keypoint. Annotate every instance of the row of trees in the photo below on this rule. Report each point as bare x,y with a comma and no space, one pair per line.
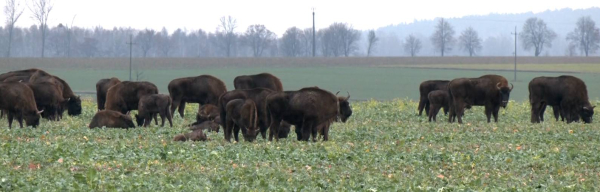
534,35
339,39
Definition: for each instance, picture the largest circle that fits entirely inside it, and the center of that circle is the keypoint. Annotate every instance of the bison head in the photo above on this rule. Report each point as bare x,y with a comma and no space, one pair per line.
74,106
345,110
32,118
587,113
250,130
504,94
139,120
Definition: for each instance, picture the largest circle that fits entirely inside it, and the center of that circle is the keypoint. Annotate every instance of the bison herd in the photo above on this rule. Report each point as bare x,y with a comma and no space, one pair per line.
259,105
566,94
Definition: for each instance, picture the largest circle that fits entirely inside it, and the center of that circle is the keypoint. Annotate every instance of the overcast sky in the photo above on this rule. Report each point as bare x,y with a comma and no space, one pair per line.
275,15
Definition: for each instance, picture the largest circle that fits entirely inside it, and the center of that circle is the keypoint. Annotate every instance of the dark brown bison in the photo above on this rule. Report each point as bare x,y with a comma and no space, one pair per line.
207,112
111,119
196,135
491,91
438,99
125,96
48,95
150,105
258,95
567,94
18,101
425,88
73,102
203,89
206,125
307,109
102,88
241,115
263,80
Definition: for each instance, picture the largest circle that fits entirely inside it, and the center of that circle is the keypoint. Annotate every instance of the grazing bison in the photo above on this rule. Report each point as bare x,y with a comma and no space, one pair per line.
18,101
567,94
111,119
196,135
203,89
425,88
307,109
491,91
438,99
102,88
73,102
48,97
241,115
263,80
150,105
207,112
258,95
125,96
206,125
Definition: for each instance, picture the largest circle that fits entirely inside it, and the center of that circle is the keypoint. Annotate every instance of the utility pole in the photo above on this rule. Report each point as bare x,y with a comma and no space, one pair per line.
130,43
515,33
314,46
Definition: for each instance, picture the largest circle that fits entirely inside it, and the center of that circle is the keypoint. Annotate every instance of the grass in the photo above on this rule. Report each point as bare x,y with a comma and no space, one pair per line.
363,83
571,68
383,147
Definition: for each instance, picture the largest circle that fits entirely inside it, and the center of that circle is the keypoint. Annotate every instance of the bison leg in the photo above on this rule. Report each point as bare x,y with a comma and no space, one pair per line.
274,128
536,108
459,111
306,129
147,120
488,112
162,118
445,107
495,112
174,105
169,117
314,133
181,108
236,131
228,130
556,111
325,133
10,117
422,102
156,119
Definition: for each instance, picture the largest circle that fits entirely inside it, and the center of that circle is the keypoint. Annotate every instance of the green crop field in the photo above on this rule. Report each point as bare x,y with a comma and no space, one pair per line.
383,147
381,83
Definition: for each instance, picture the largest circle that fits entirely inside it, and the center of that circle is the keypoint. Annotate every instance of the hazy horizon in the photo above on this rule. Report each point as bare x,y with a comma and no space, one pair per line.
276,16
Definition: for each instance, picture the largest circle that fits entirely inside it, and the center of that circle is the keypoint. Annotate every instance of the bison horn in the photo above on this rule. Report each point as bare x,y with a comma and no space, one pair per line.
337,93
511,86
348,95
498,85
40,112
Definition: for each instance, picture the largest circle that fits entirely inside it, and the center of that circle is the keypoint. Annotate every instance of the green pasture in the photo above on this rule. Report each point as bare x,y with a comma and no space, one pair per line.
380,83
383,147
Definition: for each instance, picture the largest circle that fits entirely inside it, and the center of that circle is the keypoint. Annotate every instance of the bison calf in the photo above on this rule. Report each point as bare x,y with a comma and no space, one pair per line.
437,99
149,105
206,125
113,119
207,112
196,135
241,114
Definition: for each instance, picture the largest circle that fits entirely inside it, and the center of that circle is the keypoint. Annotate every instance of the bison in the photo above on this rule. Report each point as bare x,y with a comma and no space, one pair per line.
203,89
263,80
102,88
18,101
125,96
241,115
438,99
207,112
567,94
196,135
73,104
150,105
111,119
47,94
307,109
206,125
425,88
258,96
491,91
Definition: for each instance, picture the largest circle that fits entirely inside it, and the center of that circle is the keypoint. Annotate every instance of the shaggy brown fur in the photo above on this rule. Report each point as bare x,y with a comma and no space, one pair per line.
125,96
150,105
18,101
241,115
102,87
263,80
203,89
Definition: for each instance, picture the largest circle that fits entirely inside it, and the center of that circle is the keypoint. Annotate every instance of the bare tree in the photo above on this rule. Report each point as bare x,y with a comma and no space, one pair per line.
537,35
163,42
372,42
40,11
291,42
469,41
443,37
571,50
13,13
586,35
307,41
146,40
227,27
339,39
412,45
258,37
